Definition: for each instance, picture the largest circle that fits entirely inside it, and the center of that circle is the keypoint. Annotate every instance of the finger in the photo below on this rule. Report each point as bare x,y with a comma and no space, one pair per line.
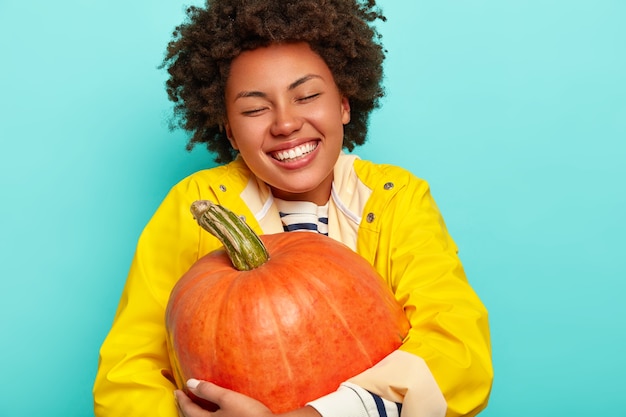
187,407
211,396
203,389
178,397
229,402
205,394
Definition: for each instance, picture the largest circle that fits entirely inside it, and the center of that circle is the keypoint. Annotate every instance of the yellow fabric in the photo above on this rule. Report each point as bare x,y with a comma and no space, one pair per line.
405,240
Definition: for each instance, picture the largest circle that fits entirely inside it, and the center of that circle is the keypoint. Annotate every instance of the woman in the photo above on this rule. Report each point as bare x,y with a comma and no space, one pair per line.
277,89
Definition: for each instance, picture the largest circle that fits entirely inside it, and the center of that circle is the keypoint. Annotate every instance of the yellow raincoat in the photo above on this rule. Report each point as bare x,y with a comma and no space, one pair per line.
384,213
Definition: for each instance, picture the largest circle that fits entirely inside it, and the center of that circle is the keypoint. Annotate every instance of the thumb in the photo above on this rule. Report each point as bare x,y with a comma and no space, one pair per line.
230,402
206,390
203,392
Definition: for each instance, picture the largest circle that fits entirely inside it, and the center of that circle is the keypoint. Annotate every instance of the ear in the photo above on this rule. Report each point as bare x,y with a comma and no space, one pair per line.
345,110
229,135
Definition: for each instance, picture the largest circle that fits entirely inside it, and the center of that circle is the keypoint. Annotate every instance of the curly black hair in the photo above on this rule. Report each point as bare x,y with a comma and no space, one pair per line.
199,55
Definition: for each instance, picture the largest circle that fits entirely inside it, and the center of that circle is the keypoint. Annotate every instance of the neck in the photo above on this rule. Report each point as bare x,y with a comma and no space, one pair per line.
319,195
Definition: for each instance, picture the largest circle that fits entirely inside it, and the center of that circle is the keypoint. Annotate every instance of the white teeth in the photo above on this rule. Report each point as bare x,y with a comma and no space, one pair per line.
296,152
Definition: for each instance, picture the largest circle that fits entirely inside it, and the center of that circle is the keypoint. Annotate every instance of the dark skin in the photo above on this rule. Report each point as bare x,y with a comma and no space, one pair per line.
231,403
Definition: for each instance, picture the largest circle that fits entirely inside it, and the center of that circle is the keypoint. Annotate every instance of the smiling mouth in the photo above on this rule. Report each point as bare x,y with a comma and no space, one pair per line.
293,154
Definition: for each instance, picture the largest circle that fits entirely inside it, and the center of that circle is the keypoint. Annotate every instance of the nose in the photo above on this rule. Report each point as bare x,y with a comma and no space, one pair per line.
286,121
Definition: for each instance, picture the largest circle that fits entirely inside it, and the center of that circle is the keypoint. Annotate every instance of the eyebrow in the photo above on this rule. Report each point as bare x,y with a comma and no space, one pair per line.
291,87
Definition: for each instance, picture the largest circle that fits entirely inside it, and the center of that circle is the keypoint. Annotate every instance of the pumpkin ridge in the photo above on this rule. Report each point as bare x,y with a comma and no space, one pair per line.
322,291
285,363
219,302
217,331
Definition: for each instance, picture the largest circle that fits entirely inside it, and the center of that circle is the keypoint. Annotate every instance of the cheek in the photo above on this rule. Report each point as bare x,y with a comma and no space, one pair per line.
329,117
246,134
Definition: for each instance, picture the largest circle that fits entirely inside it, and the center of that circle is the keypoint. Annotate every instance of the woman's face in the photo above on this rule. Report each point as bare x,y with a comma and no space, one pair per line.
285,115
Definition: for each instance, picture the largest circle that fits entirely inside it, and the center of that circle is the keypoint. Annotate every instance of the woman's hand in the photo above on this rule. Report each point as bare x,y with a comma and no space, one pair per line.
230,403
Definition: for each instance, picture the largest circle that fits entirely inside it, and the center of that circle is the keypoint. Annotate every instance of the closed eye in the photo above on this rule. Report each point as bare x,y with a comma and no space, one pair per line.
253,112
308,98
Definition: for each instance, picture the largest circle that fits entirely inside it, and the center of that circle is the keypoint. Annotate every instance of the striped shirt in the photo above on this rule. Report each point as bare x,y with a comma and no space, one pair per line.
303,216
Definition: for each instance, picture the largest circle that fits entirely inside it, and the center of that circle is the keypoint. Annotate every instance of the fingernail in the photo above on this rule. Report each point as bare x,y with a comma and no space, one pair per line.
192,383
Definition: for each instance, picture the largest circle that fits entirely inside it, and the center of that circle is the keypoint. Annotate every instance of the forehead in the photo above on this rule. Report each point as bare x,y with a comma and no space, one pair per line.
276,65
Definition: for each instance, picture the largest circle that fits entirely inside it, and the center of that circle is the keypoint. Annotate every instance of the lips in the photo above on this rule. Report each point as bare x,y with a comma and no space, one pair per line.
292,154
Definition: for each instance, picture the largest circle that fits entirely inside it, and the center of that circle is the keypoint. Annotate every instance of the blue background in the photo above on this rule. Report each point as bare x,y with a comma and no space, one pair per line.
514,111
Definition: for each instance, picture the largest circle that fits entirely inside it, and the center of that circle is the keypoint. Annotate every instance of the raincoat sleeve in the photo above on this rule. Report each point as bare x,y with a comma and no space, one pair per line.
444,365
130,379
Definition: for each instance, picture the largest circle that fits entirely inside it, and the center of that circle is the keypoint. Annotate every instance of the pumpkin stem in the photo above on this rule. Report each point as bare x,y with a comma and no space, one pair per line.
244,247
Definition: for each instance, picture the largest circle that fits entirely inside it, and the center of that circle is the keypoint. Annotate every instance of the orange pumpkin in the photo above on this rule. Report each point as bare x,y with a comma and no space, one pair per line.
287,330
